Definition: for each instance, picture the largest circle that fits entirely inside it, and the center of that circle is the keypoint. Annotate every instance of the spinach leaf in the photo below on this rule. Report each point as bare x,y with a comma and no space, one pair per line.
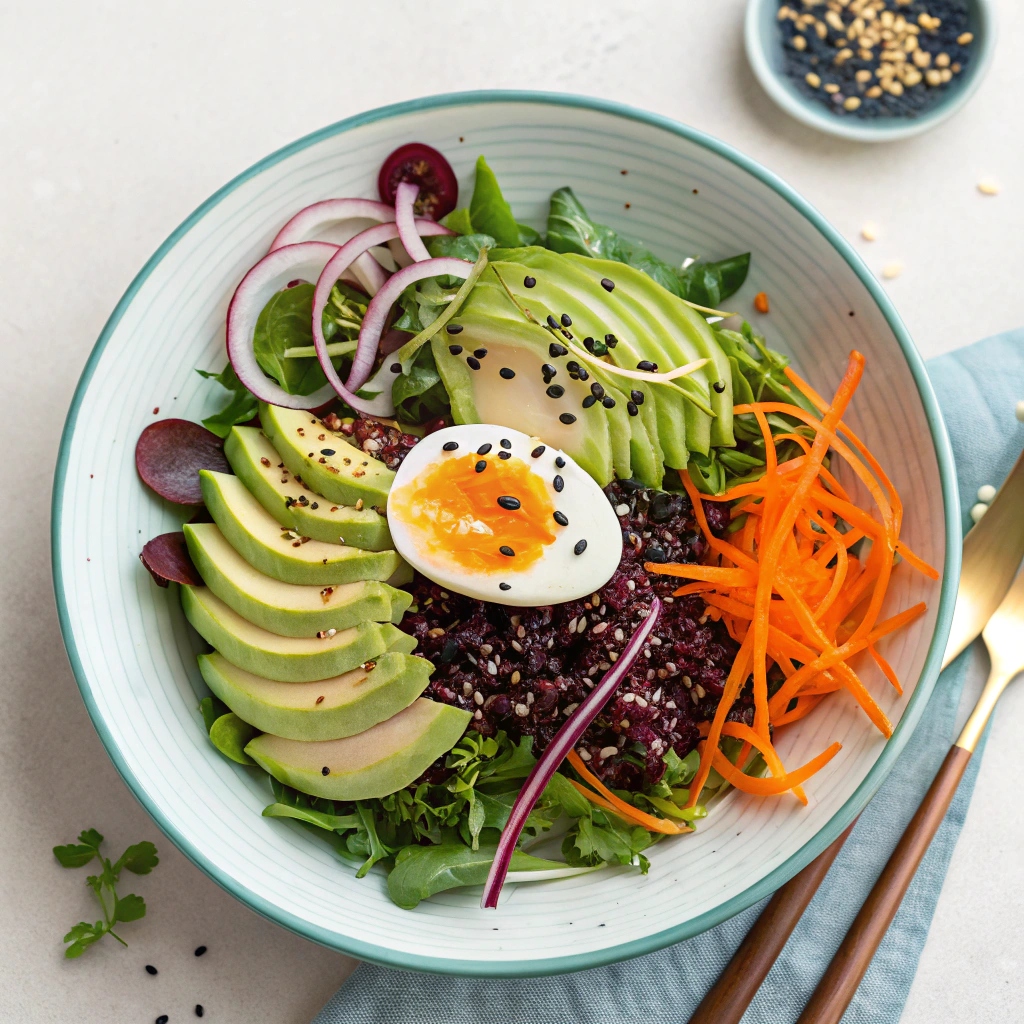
423,871
420,394
459,221
285,323
570,229
229,734
241,408
489,212
462,247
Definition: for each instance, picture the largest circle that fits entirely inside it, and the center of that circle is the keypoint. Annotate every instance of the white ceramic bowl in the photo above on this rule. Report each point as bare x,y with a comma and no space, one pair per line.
134,654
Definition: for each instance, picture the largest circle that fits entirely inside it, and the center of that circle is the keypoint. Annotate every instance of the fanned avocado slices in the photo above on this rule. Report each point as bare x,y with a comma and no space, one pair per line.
286,497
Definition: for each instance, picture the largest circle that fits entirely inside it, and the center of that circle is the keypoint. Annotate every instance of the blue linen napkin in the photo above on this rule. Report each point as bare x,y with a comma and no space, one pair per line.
977,388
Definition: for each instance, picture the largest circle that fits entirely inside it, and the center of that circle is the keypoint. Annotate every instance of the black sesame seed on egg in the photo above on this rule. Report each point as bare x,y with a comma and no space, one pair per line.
558,483
559,462
449,446
561,518
504,455
538,451
484,448
480,466
507,501
580,547
506,586
505,443
507,551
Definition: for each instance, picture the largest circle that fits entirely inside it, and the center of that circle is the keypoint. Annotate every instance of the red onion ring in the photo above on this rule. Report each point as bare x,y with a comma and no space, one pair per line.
380,305
406,195
311,219
565,739
344,257
302,260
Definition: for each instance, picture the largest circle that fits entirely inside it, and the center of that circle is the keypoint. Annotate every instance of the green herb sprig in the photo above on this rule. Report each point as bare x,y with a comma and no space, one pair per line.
139,859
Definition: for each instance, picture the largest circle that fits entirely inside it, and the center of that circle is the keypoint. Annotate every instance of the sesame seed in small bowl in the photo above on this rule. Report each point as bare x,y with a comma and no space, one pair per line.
870,70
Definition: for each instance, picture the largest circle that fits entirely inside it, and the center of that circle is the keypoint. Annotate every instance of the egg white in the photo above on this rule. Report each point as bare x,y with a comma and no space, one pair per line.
560,574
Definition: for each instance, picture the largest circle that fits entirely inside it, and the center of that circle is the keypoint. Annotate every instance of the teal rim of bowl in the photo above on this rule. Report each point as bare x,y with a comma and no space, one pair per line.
890,129
785,871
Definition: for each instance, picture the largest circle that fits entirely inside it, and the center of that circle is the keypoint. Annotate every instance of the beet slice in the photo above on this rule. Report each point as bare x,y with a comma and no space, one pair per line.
167,559
170,454
423,165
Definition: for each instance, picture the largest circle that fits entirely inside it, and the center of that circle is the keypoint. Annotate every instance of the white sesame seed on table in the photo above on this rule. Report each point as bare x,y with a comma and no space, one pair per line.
119,119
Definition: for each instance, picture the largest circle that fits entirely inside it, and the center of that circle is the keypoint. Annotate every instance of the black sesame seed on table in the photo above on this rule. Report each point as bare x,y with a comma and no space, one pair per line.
449,446
561,518
505,443
162,1019
538,451
484,448
199,1010
454,328
529,282
506,373
150,969
580,547
507,551
567,418
558,483
555,350
200,950
472,362
456,350
507,501
480,466
559,462
607,284
480,352
555,391
589,401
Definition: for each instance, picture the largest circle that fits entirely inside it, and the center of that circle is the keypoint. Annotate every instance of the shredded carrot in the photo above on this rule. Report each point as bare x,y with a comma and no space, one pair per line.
611,802
788,589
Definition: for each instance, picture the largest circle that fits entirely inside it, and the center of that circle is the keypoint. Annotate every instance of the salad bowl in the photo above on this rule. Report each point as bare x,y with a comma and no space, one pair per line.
134,655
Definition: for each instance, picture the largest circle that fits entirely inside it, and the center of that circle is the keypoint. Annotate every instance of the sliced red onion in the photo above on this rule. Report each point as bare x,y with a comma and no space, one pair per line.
401,257
312,219
406,195
302,260
380,305
565,739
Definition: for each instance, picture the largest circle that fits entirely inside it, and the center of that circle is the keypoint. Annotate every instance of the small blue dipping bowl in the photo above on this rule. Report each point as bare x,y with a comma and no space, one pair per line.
763,40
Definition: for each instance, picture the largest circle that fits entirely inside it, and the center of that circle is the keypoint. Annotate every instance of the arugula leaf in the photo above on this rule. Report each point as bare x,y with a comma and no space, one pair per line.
423,871
321,819
241,407
489,211
140,858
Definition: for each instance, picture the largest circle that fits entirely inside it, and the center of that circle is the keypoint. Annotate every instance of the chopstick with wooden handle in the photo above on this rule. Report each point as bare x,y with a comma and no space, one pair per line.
727,1000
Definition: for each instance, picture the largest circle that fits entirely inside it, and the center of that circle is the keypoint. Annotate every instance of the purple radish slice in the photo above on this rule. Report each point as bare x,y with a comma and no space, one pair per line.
565,739
406,221
169,455
375,320
423,165
304,261
168,561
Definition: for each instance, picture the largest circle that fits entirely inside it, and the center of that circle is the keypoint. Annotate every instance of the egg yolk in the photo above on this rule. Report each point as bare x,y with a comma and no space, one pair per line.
467,518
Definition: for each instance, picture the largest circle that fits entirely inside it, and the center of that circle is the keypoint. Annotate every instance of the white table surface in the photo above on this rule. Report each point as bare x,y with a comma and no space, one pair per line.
119,118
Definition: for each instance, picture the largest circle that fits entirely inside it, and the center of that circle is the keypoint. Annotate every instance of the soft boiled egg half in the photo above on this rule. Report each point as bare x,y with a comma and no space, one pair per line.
494,514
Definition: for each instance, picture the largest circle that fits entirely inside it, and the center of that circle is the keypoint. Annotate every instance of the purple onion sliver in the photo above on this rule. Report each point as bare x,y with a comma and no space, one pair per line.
565,739
407,194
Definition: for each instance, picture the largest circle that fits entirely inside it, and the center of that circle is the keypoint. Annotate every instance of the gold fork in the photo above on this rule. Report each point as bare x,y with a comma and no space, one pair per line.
1004,638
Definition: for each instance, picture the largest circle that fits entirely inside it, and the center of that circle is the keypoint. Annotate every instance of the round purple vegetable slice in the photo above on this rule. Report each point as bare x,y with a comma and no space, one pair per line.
169,455
168,561
424,166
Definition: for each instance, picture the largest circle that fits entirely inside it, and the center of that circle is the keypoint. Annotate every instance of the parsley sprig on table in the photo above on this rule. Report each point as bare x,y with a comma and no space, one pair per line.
139,858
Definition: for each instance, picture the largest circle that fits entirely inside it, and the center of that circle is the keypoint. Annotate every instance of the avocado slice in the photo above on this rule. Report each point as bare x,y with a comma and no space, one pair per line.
347,475
259,466
371,764
287,659
522,402
565,290
254,533
287,609
328,709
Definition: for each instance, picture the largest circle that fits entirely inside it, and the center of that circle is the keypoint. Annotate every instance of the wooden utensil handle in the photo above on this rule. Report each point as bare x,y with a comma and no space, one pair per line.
727,1000
836,988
